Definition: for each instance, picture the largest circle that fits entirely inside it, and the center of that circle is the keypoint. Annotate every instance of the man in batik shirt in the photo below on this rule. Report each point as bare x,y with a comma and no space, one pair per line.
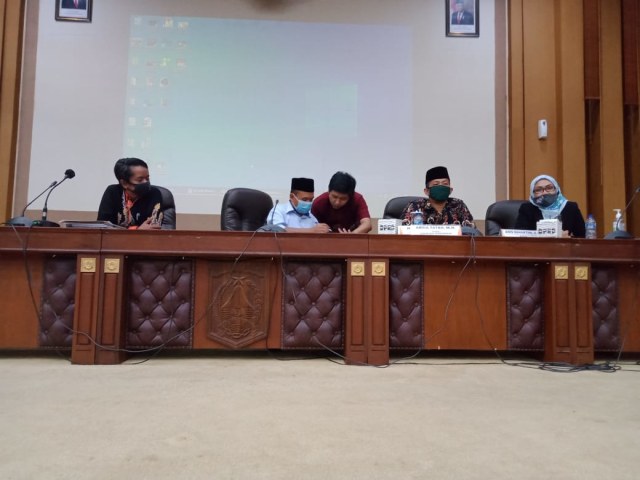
439,208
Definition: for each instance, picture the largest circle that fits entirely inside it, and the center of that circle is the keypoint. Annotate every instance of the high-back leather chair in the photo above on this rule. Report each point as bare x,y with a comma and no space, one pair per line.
168,209
244,209
501,214
395,206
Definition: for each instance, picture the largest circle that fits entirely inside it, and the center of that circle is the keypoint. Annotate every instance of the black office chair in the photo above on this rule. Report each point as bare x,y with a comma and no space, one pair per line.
501,214
395,206
244,209
168,209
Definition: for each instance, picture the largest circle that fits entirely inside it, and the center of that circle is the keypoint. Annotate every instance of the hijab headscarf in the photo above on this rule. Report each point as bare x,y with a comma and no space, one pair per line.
553,210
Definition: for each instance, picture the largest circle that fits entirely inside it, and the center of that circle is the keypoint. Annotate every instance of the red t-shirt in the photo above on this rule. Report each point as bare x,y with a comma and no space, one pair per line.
347,217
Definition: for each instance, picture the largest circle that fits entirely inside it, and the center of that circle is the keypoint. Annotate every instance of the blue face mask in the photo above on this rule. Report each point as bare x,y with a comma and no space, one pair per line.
303,207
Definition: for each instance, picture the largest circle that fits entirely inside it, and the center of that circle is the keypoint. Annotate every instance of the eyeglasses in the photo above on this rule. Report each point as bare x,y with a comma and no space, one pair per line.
547,188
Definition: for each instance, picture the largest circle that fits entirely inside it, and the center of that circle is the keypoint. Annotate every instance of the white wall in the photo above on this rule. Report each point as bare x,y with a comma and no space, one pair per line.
80,104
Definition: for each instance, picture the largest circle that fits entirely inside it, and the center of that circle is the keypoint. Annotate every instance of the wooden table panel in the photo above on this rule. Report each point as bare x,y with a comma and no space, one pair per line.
475,320
19,320
477,304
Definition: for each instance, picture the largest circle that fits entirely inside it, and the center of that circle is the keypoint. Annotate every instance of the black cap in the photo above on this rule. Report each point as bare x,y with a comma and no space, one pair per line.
436,172
302,184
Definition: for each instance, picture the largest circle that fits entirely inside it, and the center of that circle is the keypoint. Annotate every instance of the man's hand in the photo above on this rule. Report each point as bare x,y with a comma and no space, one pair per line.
321,228
149,225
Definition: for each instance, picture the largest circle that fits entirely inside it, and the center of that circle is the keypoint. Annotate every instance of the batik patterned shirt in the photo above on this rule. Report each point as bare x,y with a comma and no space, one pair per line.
455,212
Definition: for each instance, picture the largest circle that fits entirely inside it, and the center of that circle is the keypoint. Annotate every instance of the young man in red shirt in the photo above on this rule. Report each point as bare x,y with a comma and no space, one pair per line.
342,208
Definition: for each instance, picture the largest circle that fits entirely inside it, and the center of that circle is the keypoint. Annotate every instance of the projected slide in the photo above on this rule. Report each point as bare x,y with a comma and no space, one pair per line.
217,103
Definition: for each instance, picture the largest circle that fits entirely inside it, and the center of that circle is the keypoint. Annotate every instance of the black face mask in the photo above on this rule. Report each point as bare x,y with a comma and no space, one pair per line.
141,189
546,200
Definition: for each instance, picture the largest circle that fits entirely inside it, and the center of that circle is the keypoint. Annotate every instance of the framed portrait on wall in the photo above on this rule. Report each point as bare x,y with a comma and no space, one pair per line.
74,10
463,18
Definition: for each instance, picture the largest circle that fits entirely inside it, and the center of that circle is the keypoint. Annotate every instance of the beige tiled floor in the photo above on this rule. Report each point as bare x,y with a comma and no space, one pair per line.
237,417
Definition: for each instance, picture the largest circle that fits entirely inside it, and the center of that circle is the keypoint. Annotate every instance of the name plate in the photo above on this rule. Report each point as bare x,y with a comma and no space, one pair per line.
512,232
388,226
448,230
549,228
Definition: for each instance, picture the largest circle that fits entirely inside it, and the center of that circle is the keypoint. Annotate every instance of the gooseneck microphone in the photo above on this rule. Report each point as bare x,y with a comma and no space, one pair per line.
23,221
622,233
274,211
269,226
44,222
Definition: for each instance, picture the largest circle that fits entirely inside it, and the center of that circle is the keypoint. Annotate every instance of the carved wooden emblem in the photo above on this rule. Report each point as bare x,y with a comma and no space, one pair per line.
561,272
378,269
582,272
88,265
111,265
240,303
357,269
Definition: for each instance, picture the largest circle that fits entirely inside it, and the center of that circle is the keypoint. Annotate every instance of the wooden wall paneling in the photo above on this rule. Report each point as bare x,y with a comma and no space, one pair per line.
572,170
630,24
591,27
20,319
632,164
594,165
11,30
517,179
591,38
611,113
378,311
501,101
355,347
540,88
631,86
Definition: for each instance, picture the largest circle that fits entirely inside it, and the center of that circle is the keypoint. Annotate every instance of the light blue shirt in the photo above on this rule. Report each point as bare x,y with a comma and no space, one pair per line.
284,215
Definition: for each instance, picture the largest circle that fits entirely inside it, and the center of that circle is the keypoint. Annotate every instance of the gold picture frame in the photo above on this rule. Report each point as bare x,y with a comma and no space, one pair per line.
462,18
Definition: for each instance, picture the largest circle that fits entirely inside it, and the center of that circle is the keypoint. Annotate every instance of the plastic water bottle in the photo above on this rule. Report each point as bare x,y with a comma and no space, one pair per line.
417,218
590,227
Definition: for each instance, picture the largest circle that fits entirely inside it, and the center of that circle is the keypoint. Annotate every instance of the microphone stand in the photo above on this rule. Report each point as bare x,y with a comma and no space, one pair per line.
23,221
44,222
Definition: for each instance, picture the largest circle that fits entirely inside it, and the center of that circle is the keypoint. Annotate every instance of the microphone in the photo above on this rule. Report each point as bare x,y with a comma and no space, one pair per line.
44,222
23,221
269,226
274,211
622,233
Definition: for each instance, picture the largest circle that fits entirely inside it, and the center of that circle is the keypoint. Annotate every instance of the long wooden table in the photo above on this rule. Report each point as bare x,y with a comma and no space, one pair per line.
105,293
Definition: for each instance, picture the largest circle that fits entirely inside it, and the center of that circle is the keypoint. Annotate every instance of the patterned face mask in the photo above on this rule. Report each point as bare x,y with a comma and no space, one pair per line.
546,200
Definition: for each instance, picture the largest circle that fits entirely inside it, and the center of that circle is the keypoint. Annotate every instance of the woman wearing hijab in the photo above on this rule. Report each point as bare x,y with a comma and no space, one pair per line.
547,202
